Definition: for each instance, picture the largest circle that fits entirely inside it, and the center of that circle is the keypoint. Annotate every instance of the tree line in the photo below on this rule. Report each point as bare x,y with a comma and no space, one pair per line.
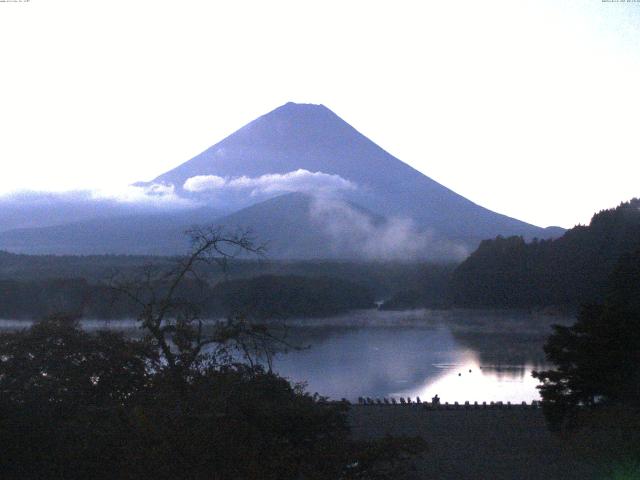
264,297
567,271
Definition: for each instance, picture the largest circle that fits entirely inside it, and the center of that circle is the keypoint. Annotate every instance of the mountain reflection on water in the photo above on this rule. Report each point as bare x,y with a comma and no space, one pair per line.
458,355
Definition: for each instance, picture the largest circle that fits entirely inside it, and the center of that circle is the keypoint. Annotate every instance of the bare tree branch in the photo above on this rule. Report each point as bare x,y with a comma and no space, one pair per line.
173,323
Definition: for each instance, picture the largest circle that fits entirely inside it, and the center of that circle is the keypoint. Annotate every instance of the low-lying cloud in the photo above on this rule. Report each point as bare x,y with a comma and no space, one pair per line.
204,183
352,230
160,195
300,180
25,209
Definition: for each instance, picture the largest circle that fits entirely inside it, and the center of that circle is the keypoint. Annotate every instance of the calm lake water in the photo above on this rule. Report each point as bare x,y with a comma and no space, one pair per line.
403,361
459,355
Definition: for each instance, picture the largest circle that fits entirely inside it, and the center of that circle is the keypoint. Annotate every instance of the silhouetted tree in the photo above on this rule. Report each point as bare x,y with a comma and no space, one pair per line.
178,403
169,302
63,393
597,358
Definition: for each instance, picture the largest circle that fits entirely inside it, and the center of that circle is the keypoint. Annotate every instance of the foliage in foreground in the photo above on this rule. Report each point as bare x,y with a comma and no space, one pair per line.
265,296
597,358
181,402
77,405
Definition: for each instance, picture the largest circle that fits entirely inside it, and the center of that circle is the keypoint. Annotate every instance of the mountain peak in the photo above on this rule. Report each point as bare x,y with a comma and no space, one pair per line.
302,106
301,112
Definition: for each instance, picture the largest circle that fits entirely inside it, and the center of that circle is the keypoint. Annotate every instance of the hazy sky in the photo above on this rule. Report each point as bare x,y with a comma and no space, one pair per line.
529,108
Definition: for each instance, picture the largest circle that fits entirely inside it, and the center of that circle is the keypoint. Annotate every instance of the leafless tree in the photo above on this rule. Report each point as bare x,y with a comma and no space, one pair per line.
172,323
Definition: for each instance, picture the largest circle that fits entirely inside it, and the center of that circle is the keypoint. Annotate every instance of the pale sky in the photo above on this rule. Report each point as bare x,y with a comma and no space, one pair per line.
529,108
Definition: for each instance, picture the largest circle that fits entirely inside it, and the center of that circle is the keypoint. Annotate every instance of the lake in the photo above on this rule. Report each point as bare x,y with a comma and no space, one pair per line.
460,355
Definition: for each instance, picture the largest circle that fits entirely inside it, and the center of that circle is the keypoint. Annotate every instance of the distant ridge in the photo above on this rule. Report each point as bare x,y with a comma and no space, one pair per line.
141,234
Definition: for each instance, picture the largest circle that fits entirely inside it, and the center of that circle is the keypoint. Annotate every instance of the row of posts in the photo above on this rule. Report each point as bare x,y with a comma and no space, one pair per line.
443,406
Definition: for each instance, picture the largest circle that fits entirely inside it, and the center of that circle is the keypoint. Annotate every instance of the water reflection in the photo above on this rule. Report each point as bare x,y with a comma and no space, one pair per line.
473,382
385,362
461,356
366,361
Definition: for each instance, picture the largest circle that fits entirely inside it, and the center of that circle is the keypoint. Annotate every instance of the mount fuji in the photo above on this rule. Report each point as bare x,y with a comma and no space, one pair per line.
311,186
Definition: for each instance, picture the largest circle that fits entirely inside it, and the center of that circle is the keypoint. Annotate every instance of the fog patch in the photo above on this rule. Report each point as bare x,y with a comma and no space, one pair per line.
354,230
155,194
30,197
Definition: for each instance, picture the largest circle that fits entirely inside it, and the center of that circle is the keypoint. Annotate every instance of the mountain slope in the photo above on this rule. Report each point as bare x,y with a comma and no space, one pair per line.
290,227
311,137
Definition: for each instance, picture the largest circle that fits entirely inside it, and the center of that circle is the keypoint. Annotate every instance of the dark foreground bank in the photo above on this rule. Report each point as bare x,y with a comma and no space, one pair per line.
491,444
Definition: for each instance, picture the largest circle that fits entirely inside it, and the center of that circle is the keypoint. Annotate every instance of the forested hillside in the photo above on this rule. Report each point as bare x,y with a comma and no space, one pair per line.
281,297
263,297
382,278
568,271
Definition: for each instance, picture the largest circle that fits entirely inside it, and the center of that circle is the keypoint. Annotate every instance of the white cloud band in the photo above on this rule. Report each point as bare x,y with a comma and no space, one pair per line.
295,181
